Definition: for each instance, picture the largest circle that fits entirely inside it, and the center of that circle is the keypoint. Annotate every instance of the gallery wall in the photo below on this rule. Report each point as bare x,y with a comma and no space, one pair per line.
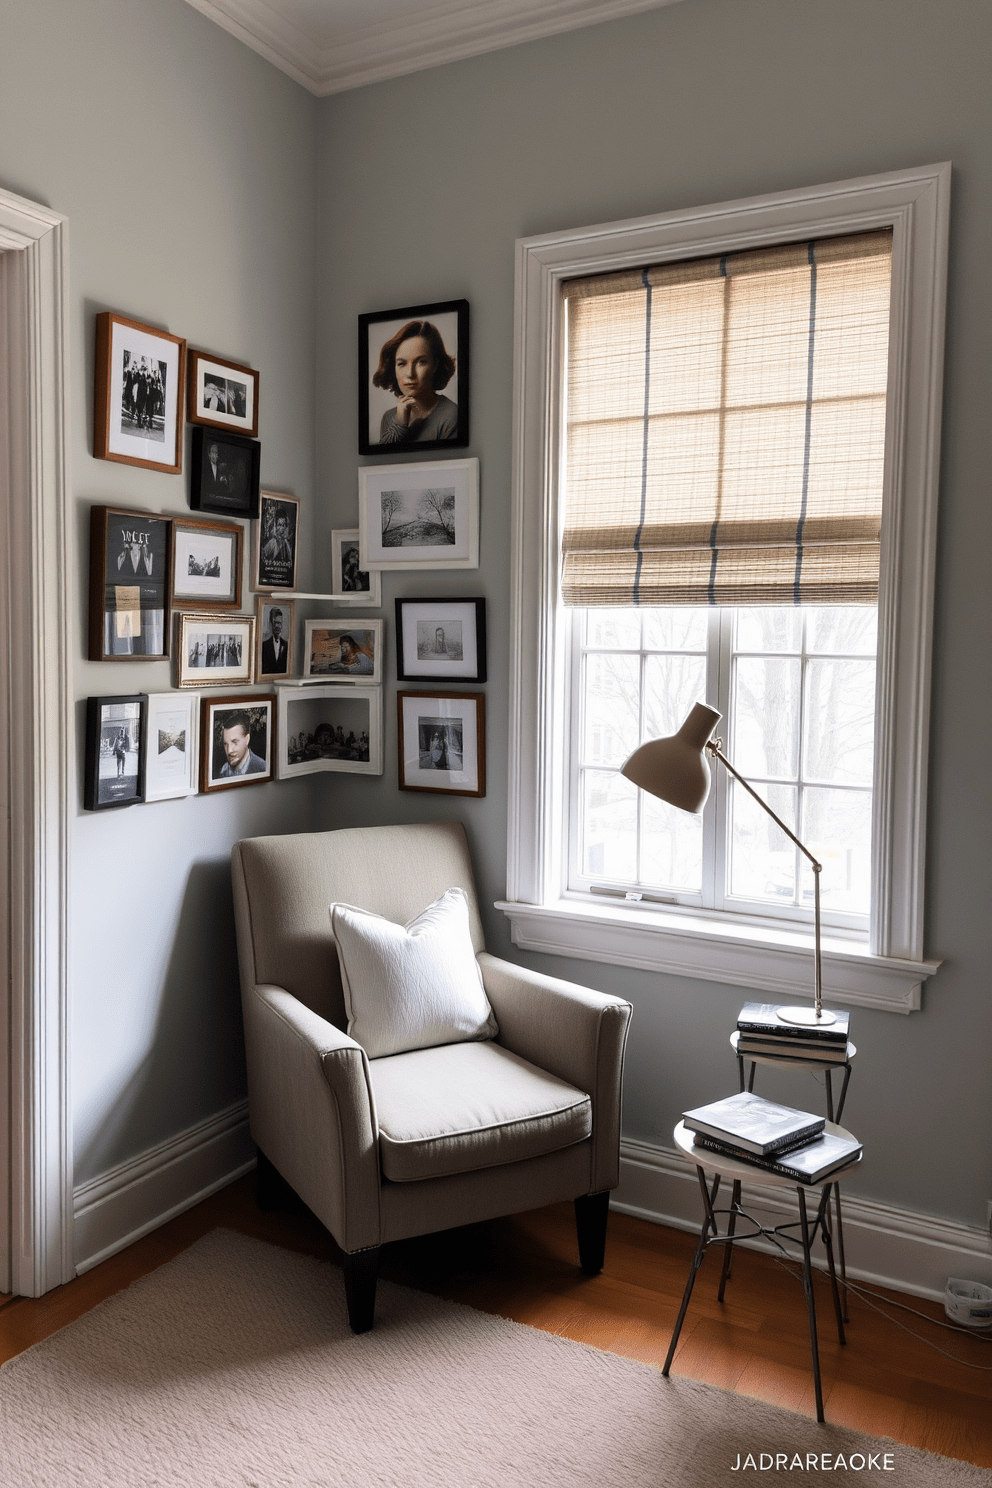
426,181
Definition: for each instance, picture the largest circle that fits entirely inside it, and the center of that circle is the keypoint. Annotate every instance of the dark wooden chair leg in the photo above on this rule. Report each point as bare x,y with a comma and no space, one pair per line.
271,1189
361,1272
592,1212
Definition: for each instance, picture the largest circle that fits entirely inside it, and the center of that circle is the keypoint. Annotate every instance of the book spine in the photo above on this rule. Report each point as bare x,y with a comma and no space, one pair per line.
781,1144
792,1051
769,1030
767,1164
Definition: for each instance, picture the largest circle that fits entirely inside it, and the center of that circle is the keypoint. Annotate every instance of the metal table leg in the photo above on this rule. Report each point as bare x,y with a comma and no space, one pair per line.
735,1199
810,1304
709,1222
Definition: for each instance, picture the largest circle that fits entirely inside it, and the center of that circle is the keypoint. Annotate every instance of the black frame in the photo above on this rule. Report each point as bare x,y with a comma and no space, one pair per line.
201,498
479,675
365,371
94,729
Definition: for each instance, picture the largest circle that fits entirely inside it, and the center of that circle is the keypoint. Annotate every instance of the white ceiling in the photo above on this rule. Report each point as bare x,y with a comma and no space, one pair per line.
331,45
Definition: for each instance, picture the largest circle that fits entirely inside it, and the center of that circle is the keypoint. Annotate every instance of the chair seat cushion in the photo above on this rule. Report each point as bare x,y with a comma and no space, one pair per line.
466,1106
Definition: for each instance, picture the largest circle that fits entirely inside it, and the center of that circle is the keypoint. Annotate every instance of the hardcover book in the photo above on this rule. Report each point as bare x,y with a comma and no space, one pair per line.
819,1049
813,1162
762,1017
757,1125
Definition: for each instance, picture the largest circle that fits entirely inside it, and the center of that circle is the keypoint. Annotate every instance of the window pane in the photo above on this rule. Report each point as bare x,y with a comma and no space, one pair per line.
612,708
614,628
671,685
675,629
671,847
766,716
837,830
777,629
843,629
762,859
840,721
609,827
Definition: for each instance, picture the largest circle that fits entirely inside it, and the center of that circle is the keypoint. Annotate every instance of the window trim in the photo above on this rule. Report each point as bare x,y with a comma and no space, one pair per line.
915,203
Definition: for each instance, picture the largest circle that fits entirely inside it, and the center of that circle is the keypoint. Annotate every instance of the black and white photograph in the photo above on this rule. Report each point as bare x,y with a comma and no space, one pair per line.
130,553
275,632
344,651
441,638
140,374
206,564
351,584
330,728
419,516
214,650
115,771
413,378
172,751
224,473
236,741
221,394
442,742
276,541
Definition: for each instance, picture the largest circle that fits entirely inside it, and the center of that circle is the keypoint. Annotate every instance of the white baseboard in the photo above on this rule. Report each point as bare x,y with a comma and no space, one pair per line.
887,1246
118,1207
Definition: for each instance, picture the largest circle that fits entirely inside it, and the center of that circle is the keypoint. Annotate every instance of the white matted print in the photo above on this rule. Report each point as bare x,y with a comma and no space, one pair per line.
223,395
419,516
350,583
172,738
442,742
140,373
441,638
330,728
343,651
206,563
211,650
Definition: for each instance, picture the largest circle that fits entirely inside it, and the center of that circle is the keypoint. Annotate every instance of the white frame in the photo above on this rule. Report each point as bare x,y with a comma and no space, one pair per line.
888,972
186,676
344,624
374,479
288,695
188,704
362,599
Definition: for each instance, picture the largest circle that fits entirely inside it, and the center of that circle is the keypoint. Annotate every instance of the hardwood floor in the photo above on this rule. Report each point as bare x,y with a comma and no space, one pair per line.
885,1381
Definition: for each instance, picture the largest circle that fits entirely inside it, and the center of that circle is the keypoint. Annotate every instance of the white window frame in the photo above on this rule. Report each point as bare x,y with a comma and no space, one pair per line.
888,971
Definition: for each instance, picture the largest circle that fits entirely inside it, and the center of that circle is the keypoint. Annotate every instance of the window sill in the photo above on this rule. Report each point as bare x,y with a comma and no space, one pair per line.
779,963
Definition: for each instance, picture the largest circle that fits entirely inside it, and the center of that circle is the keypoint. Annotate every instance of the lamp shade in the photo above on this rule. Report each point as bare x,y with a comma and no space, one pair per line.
676,769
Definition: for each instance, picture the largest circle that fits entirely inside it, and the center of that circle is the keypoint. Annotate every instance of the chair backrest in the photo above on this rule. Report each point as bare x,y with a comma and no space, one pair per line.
284,886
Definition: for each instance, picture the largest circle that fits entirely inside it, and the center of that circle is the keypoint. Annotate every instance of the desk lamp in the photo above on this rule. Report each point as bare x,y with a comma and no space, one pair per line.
676,770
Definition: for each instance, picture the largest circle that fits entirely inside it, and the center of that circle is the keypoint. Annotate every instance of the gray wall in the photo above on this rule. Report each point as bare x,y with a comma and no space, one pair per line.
185,165
424,184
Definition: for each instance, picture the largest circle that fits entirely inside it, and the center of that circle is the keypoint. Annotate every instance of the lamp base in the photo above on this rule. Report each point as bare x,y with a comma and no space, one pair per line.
806,1015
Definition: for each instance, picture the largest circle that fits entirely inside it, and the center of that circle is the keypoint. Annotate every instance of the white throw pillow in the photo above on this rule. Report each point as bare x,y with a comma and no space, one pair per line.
413,986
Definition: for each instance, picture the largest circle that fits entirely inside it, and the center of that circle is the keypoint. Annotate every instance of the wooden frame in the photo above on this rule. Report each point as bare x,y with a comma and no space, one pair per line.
444,639
266,667
419,516
130,585
221,394
379,395
441,742
203,645
138,382
360,662
224,473
196,546
346,573
172,745
257,743
115,729
309,719
276,546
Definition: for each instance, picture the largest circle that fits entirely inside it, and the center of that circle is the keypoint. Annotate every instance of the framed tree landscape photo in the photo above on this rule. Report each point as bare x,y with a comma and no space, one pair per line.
221,394
413,378
442,742
138,394
130,566
419,516
172,745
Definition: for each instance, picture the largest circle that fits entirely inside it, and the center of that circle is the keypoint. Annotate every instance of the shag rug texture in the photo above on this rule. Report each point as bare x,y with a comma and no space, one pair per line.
233,1367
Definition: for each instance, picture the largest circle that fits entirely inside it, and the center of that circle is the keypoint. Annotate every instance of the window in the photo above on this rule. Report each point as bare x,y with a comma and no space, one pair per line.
582,673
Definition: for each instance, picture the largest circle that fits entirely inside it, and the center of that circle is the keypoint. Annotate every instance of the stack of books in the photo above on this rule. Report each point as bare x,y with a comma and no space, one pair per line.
791,1144
761,1031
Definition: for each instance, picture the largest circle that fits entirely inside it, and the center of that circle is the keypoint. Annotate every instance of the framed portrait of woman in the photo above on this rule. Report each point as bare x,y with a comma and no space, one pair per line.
413,379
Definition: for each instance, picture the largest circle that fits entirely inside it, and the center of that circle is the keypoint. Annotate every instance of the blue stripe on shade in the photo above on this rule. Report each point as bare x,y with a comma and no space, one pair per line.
644,441
711,587
797,582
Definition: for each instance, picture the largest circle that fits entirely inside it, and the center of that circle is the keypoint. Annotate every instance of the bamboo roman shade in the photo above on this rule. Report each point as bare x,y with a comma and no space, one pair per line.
725,428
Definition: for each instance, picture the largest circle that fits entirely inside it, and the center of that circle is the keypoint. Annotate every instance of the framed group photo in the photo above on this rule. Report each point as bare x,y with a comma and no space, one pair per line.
214,650
221,395
115,757
330,728
225,473
342,651
137,395
442,742
350,583
419,516
441,638
172,745
237,741
413,378
206,564
130,558
275,633
276,541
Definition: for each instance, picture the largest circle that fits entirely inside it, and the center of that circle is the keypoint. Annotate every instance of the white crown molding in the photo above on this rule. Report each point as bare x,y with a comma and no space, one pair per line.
427,37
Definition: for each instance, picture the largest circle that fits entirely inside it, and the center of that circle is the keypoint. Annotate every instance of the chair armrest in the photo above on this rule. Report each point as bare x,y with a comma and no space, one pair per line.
572,1032
313,1113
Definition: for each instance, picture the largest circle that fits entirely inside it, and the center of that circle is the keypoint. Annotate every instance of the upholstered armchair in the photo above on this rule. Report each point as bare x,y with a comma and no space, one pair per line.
384,1148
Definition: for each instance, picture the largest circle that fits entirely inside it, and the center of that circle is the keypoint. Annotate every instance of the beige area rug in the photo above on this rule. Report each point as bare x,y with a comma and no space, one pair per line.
233,1367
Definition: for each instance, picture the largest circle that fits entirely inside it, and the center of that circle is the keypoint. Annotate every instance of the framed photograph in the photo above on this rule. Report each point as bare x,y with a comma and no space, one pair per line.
172,740
115,758
413,378
138,394
214,650
224,477
442,742
130,558
275,633
221,395
351,584
237,741
276,541
419,516
206,564
330,728
342,651
441,638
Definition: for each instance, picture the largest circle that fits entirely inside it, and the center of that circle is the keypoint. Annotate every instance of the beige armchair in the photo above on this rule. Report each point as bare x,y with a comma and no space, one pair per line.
381,1149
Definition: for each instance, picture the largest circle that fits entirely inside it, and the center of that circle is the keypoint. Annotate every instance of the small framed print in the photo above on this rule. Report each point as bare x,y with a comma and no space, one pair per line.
224,476
413,378
275,632
130,558
419,516
350,583
214,650
441,638
342,651
276,541
172,740
138,394
330,728
115,760
237,741
206,564
221,395
442,742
